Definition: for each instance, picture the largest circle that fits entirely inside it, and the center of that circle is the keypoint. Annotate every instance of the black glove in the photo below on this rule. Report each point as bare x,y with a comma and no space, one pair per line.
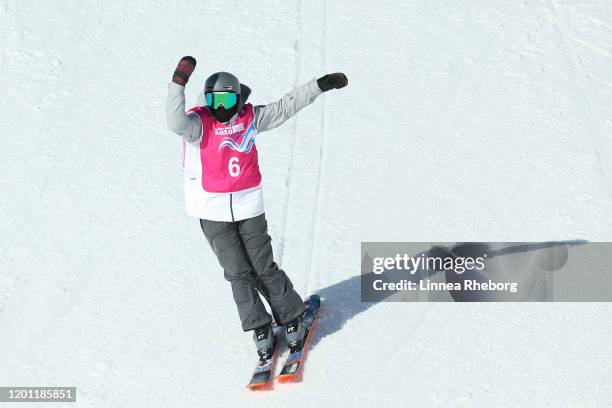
332,81
183,70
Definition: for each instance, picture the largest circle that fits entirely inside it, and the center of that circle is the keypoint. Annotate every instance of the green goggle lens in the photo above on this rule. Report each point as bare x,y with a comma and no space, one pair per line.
225,99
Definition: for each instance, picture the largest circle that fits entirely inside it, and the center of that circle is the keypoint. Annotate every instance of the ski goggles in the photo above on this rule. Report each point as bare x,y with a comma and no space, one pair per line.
225,99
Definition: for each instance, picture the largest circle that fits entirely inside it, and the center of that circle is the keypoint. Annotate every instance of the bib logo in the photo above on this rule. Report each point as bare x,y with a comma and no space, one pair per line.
230,142
229,130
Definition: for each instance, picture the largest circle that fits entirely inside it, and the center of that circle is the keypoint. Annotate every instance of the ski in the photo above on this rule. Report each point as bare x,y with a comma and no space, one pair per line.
291,369
265,366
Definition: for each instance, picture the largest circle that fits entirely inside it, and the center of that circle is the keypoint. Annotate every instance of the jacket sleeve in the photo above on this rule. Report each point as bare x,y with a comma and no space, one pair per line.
189,126
274,114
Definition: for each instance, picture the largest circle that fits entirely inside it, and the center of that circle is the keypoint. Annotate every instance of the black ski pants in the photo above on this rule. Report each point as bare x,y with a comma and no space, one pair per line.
244,250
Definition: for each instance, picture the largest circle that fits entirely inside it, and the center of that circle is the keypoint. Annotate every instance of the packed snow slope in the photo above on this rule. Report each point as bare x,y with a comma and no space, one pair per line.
462,121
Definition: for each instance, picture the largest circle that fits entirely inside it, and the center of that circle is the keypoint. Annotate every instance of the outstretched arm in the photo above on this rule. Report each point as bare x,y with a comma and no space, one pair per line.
186,125
274,114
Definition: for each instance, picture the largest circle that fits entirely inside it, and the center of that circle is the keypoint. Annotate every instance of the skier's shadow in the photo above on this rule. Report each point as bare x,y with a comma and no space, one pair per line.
342,301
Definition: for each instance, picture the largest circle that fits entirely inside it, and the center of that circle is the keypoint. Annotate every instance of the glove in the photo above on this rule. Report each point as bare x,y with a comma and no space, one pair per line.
332,81
183,70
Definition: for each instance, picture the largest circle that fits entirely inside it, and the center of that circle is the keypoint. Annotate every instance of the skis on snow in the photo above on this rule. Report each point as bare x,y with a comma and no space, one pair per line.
295,359
293,364
263,370
265,366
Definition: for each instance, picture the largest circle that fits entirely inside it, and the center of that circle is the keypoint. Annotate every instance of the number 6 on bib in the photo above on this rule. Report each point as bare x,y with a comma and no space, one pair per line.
233,167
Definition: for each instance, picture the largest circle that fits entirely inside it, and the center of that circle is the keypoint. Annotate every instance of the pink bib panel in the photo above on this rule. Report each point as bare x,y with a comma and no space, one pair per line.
228,153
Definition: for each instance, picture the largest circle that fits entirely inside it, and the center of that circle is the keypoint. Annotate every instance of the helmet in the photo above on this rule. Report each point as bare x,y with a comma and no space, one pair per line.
222,82
226,83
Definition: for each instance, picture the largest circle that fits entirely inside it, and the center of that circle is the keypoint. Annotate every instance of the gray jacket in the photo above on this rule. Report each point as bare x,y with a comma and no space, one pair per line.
267,117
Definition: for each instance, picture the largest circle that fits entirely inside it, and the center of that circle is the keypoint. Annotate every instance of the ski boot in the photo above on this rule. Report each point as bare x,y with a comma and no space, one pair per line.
264,341
294,332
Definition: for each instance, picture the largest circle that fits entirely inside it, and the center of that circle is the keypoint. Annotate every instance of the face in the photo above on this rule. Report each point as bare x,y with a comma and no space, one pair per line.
222,114
223,105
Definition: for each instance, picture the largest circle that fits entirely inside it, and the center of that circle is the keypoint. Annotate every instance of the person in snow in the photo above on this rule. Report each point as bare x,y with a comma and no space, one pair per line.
223,189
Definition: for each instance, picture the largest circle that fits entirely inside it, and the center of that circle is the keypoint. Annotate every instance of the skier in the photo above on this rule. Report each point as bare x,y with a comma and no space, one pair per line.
223,189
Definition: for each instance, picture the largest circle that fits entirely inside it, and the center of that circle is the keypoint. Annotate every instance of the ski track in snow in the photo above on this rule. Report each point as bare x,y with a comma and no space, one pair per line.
501,135
289,178
321,134
601,146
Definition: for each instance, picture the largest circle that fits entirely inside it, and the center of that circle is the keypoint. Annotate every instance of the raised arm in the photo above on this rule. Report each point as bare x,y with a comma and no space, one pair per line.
186,125
274,114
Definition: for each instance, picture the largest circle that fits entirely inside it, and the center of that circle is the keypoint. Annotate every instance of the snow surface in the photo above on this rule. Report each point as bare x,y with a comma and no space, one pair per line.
463,121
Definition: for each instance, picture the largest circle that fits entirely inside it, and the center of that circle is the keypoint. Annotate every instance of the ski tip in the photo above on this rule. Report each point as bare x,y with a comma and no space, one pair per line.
314,299
258,386
286,378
